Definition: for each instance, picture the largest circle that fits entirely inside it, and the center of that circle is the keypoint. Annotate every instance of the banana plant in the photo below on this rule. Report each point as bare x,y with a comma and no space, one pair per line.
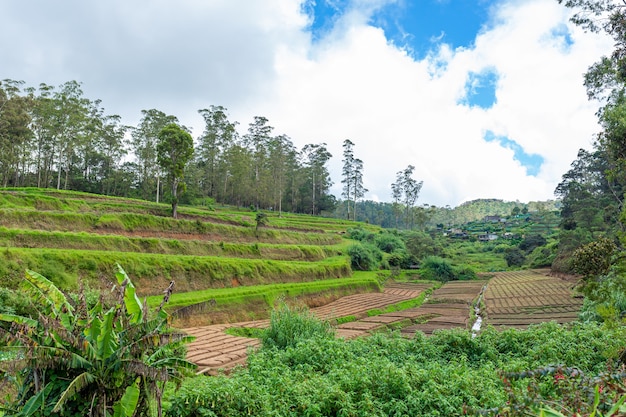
105,360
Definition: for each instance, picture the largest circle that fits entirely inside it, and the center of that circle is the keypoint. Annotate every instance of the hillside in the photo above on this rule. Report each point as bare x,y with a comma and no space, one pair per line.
76,239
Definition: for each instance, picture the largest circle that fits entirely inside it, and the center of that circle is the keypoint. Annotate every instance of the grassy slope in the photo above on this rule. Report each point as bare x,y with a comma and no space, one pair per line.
74,237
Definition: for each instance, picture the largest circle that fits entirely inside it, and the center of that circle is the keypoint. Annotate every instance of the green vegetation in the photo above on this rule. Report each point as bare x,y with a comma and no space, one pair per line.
267,293
449,374
105,359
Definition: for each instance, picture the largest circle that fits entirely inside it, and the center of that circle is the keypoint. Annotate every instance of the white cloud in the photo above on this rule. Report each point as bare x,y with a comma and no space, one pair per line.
357,85
257,58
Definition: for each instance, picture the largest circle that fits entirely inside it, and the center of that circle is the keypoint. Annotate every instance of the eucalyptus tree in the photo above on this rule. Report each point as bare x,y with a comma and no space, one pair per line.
282,159
144,140
347,173
257,141
405,192
238,180
315,157
219,134
352,178
71,117
15,133
174,151
45,131
111,149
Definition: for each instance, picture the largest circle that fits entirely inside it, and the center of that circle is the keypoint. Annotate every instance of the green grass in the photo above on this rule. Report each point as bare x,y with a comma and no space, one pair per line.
268,293
24,238
152,272
149,225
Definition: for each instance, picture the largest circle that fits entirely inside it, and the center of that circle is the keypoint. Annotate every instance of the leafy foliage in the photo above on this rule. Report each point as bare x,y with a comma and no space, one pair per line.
363,257
438,269
290,326
100,360
450,373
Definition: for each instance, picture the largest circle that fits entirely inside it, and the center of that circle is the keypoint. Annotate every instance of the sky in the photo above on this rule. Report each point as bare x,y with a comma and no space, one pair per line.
483,97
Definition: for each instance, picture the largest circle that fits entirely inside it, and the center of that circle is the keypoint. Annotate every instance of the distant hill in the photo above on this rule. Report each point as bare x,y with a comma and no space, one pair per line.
382,214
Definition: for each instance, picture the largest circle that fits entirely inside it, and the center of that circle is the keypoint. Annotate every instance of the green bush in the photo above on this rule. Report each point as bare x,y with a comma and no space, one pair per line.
389,243
360,234
290,326
364,257
437,269
448,374
464,273
514,257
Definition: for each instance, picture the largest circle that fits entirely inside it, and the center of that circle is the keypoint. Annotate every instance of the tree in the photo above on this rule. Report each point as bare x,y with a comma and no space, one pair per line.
315,158
347,173
257,141
358,190
405,191
15,133
144,140
100,360
174,150
282,159
219,134
352,178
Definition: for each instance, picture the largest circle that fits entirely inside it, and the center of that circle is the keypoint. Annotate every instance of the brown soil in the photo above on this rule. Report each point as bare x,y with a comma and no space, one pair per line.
213,350
521,298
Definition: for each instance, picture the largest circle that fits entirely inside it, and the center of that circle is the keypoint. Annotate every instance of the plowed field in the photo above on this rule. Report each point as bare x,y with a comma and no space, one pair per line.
448,308
521,298
213,349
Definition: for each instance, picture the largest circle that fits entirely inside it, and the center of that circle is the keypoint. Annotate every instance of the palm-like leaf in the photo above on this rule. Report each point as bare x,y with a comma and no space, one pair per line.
127,405
131,301
13,318
45,291
77,385
107,341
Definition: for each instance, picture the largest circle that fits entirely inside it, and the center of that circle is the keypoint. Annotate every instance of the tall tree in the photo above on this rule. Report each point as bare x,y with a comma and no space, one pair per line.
347,173
257,141
358,189
144,140
316,156
174,150
15,133
219,134
282,154
405,191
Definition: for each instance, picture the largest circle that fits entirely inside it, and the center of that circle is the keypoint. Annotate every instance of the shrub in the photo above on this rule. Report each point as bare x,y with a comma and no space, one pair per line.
363,257
438,269
389,243
594,259
360,234
531,242
289,326
514,257
464,273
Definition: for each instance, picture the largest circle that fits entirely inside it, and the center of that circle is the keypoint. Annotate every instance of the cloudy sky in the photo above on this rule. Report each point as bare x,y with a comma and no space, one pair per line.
483,97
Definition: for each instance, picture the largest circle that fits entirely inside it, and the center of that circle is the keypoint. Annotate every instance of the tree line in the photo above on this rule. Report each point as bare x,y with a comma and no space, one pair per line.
55,137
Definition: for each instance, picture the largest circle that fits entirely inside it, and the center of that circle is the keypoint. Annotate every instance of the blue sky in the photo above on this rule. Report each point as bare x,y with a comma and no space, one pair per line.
484,98
418,25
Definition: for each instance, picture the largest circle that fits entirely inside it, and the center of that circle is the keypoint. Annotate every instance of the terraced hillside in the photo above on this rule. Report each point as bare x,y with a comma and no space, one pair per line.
77,238
511,299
